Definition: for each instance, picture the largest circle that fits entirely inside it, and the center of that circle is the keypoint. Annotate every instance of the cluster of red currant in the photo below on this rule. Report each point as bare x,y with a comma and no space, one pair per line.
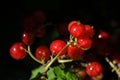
80,41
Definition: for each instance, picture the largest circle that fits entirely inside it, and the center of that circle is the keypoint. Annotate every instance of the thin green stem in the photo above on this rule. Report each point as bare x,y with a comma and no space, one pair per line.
33,57
50,63
111,64
65,61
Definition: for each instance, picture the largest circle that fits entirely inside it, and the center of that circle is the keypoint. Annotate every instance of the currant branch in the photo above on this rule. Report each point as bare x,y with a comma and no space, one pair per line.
50,63
114,68
32,56
111,64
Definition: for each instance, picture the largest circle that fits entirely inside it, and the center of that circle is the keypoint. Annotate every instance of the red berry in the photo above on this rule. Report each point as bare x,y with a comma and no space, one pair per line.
16,51
56,46
89,31
77,30
103,35
84,43
25,38
75,52
94,69
42,53
73,23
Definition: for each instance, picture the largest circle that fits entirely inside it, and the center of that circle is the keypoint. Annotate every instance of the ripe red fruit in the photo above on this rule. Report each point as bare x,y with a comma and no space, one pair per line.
84,43
77,30
25,38
89,31
73,23
103,35
75,52
16,50
94,69
42,53
56,46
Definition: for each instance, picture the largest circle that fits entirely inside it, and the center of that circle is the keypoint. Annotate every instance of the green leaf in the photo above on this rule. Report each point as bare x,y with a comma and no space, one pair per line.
51,74
71,76
59,72
36,71
58,78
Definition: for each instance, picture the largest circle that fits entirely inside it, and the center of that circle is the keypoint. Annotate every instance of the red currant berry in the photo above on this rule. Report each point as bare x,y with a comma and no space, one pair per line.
89,31
25,38
77,31
84,43
94,69
42,53
75,52
103,35
16,51
56,46
73,23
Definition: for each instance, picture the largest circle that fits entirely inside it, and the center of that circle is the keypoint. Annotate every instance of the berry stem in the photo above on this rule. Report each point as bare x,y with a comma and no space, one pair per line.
111,64
50,63
31,55
65,61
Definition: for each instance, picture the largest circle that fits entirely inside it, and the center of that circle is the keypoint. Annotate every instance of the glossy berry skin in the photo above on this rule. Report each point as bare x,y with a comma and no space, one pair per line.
103,35
84,43
42,53
75,52
77,31
56,46
73,23
16,51
25,38
94,69
89,31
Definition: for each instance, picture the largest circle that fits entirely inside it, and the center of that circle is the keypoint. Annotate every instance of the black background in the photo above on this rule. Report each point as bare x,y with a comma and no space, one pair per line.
97,13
